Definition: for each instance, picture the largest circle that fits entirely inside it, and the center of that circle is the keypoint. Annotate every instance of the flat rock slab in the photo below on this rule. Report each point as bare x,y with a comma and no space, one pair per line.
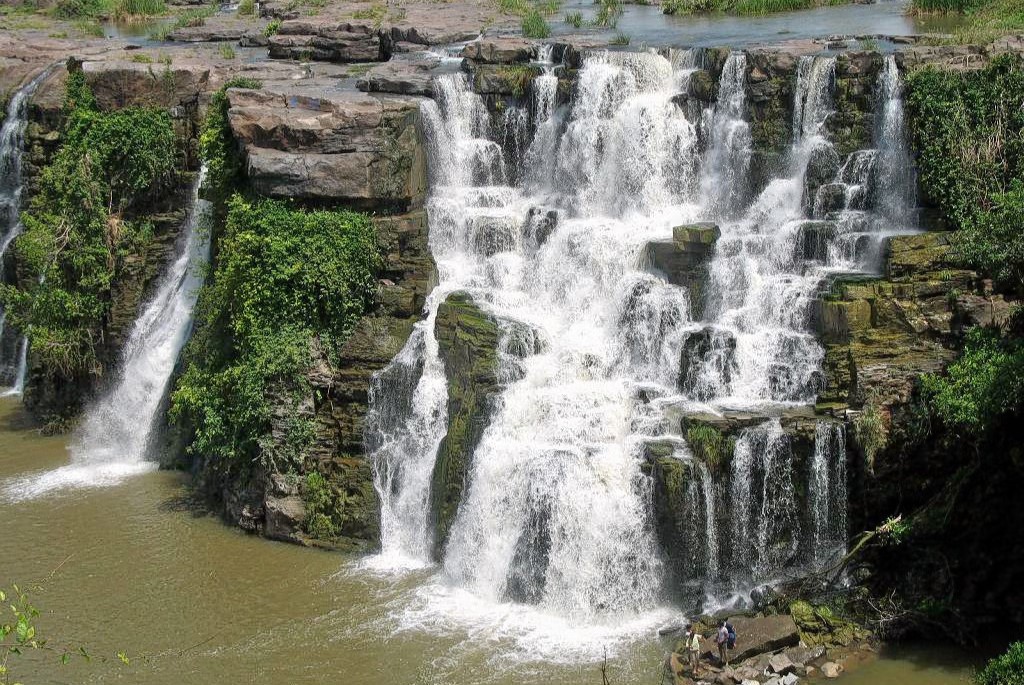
400,77
760,635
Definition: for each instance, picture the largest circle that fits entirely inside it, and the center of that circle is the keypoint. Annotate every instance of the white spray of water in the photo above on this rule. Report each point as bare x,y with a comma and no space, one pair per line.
115,438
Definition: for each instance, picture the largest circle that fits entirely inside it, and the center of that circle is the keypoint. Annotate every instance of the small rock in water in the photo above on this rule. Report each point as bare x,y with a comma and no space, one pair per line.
789,679
830,669
781,664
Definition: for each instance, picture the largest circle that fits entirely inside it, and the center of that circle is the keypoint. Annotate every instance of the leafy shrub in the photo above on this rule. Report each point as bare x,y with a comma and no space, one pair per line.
246,8
226,51
319,506
985,383
216,144
1007,669
534,25
272,28
84,220
79,9
574,19
965,127
284,277
709,445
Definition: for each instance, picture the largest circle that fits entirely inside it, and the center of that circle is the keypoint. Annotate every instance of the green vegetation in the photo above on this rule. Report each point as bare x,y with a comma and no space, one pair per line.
608,13
246,8
870,432
119,10
742,7
85,220
709,445
272,28
944,6
216,147
966,128
983,387
534,25
574,19
226,51
1007,669
285,279
319,507
620,39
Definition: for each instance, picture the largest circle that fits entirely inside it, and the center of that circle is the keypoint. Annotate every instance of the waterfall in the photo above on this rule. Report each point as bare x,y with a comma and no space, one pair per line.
600,356
13,347
896,184
115,438
827,492
724,181
765,526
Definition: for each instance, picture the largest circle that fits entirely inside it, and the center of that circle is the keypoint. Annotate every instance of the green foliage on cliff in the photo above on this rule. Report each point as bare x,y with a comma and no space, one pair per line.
1007,669
84,220
984,385
319,507
284,277
968,130
217,145
710,446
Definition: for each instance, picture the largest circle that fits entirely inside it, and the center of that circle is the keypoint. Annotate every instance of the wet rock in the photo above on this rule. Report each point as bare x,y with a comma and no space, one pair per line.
763,634
683,260
494,234
707,363
540,224
468,341
814,238
829,198
284,517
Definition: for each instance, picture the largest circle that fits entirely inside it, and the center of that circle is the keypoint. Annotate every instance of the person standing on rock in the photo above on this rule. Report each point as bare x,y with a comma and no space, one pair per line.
693,639
723,644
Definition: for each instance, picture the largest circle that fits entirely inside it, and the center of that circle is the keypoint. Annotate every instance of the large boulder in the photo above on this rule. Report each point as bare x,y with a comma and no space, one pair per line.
354,148
760,635
684,259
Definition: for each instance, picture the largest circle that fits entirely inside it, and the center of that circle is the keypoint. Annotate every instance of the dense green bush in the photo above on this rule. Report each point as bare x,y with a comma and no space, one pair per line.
80,9
83,221
968,131
1007,669
983,385
944,5
284,277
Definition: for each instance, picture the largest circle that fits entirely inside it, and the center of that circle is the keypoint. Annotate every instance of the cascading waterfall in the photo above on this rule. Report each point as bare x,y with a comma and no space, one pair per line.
726,164
827,492
550,242
13,347
895,186
116,436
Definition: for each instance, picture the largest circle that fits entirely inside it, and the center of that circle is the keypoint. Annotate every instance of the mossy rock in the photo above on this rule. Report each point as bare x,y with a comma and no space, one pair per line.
468,340
819,626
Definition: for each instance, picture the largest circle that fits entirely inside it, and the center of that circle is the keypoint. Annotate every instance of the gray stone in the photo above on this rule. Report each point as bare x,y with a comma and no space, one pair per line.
831,669
504,50
781,664
789,679
402,77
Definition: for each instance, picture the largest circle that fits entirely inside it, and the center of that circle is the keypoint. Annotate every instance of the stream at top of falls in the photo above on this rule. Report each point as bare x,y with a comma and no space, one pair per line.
136,568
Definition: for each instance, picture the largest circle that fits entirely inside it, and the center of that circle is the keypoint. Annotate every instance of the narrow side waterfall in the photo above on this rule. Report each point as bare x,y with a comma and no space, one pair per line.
115,437
546,216
13,346
827,493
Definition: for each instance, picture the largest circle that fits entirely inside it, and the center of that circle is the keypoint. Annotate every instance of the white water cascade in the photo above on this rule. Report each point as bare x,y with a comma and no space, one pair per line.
554,522
116,435
13,347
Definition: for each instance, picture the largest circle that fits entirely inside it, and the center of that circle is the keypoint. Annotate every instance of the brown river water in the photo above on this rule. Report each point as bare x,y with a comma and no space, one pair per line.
134,568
